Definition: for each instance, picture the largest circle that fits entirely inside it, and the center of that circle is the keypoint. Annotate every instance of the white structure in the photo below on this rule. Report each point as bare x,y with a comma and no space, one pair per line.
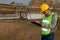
33,16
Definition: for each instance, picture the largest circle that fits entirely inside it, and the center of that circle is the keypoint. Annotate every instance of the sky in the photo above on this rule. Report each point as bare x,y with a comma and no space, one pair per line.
25,2
59,0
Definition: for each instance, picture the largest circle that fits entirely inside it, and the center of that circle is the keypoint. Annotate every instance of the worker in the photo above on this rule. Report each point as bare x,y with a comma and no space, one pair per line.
48,22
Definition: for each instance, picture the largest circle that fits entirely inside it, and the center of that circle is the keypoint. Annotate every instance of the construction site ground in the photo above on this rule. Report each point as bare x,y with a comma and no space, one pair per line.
21,30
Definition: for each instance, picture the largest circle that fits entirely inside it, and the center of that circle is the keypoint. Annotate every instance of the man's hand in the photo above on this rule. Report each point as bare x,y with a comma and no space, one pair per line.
37,22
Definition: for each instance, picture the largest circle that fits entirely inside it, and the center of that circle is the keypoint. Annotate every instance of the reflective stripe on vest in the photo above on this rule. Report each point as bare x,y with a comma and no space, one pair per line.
47,21
44,29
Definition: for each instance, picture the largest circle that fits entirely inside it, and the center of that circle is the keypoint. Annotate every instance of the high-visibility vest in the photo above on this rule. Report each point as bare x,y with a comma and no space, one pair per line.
45,21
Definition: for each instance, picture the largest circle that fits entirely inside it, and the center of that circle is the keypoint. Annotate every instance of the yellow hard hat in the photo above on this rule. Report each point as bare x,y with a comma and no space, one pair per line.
44,7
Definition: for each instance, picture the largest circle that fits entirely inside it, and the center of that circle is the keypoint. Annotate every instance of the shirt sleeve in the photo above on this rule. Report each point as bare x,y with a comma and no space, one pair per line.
54,22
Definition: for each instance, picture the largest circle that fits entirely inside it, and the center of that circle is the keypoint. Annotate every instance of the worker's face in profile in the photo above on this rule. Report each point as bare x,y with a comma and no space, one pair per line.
46,12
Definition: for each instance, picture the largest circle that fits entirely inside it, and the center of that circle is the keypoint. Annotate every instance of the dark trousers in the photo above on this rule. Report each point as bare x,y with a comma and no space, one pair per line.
48,37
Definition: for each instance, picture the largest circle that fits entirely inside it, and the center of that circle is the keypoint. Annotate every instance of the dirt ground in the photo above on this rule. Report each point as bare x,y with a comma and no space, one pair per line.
21,30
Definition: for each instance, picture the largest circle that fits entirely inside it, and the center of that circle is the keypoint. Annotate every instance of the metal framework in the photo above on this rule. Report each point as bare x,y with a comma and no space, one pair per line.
8,11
